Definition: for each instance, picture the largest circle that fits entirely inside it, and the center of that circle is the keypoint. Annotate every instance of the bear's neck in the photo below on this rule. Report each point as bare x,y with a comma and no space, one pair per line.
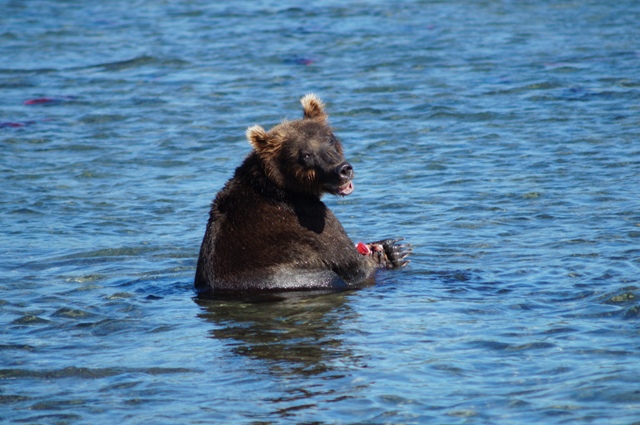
252,174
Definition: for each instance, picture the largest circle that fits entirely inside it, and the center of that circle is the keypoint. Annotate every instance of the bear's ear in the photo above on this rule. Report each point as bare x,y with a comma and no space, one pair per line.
313,108
258,138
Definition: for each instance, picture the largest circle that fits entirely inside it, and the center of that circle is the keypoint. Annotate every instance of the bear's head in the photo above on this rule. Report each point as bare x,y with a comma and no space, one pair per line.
304,155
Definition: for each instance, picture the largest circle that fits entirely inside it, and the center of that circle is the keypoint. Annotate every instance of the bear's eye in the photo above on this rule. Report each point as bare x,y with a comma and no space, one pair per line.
306,159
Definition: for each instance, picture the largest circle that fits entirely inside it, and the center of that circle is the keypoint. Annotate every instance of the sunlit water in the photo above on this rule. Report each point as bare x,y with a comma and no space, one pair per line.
500,138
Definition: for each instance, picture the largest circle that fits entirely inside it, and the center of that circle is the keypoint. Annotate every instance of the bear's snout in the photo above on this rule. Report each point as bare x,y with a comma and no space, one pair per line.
345,171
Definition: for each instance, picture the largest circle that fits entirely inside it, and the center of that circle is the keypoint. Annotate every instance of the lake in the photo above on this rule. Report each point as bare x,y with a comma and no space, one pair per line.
500,138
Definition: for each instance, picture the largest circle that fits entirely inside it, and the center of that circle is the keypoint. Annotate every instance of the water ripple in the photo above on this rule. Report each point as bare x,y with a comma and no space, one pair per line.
499,138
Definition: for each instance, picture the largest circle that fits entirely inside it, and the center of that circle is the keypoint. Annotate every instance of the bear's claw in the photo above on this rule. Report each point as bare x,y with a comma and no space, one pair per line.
389,254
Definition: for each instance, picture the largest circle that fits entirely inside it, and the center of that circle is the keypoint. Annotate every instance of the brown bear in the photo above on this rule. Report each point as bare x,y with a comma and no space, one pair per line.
268,230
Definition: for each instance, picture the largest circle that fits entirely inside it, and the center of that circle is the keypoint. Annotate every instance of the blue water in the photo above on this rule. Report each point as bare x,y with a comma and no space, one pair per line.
500,138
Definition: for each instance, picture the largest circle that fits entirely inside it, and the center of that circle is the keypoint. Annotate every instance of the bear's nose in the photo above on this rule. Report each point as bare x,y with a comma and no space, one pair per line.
345,171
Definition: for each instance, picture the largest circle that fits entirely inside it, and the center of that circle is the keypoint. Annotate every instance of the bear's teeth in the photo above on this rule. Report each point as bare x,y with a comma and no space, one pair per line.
345,189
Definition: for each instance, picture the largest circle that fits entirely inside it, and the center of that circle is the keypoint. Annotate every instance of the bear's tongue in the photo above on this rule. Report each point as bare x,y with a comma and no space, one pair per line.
345,189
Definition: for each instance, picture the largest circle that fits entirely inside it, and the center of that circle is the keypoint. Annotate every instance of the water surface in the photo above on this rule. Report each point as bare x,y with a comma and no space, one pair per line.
499,138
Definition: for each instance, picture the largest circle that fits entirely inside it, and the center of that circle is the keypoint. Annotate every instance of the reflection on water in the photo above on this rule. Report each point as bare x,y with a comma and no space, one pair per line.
296,341
298,334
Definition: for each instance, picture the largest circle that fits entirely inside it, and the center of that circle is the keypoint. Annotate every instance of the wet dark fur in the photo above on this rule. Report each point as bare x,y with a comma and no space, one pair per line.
268,230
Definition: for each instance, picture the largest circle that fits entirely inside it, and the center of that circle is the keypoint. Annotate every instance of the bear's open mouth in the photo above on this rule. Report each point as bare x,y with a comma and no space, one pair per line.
345,189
